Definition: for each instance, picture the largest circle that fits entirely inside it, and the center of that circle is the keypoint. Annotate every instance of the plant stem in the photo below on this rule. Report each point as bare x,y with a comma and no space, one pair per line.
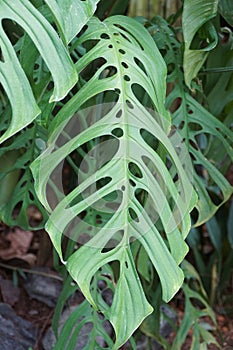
217,70
15,268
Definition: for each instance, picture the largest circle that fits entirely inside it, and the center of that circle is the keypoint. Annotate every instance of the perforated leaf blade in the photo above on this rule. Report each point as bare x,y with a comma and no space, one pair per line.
196,16
72,15
198,127
130,65
84,325
24,107
204,123
20,200
55,55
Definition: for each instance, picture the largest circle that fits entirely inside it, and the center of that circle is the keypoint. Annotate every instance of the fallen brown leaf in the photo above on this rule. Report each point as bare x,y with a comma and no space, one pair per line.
19,244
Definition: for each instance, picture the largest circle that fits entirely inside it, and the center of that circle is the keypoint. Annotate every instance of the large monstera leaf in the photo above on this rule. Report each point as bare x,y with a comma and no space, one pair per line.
141,175
13,78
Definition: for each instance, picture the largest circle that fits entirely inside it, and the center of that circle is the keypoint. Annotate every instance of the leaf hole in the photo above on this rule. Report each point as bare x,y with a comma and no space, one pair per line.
34,215
24,183
107,72
83,238
141,195
126,78
98,219
170,68
134,170
193,144
1,56
150,139
153,169
195,126
193,157
125,65
129,104
118,132
91,156
105,36
140,64
103,182
113,206
181,125
13,30
93,67
132,183
123,188
122,51
107,296
126,264
216,196
119,113
16,210
141,94
175,104
133,215
175,178
127,34
113,242
31,196
110,46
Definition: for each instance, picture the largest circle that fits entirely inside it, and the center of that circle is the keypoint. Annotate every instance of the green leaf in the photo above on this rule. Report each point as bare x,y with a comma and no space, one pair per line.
230,225
9,176
207,337
191,320
210,179
24,107
130,66
143,264
226,10
196,17
71,15
56,57
215,233
17,181
67,291
198,127
84,325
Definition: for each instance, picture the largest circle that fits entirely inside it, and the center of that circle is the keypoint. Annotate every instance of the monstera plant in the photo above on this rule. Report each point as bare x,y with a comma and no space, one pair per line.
90,97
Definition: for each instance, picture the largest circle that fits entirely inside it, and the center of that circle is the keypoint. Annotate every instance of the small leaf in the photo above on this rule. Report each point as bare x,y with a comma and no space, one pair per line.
17,184
196,14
